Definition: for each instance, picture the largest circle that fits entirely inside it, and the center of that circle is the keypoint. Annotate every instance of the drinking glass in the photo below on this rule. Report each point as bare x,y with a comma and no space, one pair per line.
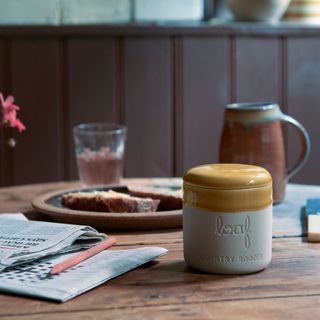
99,149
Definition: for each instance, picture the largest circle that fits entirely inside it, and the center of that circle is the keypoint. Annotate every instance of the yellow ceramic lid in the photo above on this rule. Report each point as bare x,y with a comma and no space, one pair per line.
228,176
228,187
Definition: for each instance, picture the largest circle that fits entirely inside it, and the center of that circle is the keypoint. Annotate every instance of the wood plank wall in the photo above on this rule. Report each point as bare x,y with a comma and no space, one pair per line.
205,90
2,86
170,90
148,106
90,88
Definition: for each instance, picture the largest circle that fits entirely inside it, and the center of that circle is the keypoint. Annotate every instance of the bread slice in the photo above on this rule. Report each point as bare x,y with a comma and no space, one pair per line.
169,199
108,201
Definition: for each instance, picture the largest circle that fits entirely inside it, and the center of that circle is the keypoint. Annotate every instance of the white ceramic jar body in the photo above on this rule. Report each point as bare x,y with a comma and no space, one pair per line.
227,243
227,218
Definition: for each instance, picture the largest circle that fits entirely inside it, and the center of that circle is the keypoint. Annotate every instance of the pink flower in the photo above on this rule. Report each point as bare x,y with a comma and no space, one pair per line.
9,112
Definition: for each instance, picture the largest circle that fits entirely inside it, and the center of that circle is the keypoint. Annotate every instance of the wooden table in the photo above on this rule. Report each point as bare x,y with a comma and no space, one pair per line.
169,289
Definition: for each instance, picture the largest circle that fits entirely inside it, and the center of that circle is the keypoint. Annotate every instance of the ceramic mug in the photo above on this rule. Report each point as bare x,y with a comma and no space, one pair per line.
252,134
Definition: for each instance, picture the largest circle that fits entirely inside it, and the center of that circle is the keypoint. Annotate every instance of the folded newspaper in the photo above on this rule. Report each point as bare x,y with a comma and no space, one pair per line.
22,241
28,273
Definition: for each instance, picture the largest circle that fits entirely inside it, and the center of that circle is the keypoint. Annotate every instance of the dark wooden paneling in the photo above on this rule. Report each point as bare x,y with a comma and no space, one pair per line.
205,91
257,70
148,106
2,89
178,106
304,100
6,152
91,87
170,88
35,64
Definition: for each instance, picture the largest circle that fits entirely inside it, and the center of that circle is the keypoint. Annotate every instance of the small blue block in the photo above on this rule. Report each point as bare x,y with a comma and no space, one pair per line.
313,206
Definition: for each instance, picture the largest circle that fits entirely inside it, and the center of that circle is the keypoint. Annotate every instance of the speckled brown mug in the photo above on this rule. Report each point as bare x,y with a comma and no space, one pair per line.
252,134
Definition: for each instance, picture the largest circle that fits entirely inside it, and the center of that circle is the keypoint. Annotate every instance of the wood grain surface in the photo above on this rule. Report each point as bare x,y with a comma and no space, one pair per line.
169,289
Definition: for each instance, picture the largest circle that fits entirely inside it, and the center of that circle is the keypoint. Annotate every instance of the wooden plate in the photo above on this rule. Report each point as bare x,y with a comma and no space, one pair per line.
49,204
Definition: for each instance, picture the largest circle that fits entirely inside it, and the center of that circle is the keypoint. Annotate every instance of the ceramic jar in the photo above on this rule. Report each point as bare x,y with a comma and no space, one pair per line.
252,134
227,218
303,10
258,10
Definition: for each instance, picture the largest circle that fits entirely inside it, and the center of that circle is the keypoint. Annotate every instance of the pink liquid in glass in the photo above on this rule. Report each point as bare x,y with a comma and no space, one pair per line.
97,168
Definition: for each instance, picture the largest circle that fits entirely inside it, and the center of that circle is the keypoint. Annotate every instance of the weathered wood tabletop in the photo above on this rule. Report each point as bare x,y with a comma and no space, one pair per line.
168,289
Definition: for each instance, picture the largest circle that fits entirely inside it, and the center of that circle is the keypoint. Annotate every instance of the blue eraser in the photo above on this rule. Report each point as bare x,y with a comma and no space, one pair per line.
313,206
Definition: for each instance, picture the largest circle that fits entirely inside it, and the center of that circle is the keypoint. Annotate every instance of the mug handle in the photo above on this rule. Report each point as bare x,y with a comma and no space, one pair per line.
306,145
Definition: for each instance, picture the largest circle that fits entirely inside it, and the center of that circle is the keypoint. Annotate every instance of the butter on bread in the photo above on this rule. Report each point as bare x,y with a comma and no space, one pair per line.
108,201
169,199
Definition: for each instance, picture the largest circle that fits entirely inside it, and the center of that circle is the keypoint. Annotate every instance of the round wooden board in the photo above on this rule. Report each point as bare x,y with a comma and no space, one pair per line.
49,205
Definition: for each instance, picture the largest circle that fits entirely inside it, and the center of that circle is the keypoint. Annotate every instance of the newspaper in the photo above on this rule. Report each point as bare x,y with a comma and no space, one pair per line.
22,241
33,279
29,250
19,216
